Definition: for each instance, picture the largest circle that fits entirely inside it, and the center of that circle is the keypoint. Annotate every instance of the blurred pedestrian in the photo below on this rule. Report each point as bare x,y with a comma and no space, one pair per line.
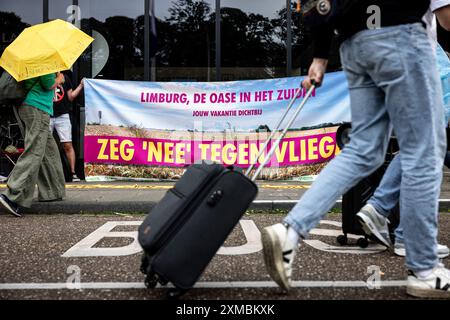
40,162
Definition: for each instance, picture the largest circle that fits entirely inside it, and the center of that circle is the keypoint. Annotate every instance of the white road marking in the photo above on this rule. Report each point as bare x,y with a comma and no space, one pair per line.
253,244
199,285
282,201
295,201
85,248
322,246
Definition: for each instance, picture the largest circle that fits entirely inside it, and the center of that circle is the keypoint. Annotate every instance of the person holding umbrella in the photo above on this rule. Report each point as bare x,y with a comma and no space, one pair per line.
40,162
37,56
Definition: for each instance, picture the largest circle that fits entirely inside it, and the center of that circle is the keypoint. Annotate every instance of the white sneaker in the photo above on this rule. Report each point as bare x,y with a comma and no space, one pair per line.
75,178
399,250
436,285
375,224
279,254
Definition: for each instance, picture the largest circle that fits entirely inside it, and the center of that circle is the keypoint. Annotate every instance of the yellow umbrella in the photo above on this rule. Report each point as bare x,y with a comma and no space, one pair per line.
44,48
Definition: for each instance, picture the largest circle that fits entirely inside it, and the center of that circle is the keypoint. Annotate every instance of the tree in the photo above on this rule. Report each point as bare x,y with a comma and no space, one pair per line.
301,37
189,15
11,26
250,41
191,33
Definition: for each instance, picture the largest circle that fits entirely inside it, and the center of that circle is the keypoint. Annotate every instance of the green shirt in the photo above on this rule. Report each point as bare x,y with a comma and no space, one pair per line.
41,93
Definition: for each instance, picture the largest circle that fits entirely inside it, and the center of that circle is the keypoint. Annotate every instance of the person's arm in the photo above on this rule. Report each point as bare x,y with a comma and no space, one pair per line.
316,72
322,37
73,94
322,42
50,81
47,81
443,16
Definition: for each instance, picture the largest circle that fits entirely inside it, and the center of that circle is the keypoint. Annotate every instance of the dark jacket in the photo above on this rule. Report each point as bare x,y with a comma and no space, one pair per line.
355,18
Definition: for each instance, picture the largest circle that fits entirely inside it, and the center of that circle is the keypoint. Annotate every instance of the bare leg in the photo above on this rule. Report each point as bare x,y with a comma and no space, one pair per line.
70,153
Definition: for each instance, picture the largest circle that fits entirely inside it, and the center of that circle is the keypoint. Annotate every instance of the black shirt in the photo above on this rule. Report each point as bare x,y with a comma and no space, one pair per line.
61,103
353,20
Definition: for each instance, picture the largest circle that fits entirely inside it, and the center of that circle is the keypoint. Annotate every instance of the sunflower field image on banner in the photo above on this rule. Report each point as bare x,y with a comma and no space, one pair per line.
154,130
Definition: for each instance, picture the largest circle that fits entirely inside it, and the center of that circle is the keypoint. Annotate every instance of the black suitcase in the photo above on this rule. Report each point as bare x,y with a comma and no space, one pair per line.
354,199
185,229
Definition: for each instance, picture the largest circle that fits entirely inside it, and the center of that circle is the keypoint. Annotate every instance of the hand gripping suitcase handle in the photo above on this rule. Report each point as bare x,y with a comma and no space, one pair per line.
281,136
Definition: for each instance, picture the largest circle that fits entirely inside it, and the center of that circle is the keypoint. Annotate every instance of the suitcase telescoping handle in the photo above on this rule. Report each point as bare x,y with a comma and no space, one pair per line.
283,133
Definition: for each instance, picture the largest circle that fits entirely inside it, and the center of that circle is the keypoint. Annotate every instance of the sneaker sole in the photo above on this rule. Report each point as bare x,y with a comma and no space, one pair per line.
427,293
400,252
370,229
6,205
273,258
443,255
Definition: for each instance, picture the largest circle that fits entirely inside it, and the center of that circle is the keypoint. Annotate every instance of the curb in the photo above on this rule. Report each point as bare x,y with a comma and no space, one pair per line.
67,207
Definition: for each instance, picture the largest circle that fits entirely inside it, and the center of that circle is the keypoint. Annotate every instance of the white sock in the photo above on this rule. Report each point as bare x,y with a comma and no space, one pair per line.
293,236
424,274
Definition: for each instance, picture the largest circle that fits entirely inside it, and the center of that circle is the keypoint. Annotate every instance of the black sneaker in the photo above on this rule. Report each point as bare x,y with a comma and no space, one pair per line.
11,206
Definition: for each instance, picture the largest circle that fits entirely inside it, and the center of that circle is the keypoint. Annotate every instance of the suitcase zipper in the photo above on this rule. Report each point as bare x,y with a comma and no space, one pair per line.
191,202
189,209
177,193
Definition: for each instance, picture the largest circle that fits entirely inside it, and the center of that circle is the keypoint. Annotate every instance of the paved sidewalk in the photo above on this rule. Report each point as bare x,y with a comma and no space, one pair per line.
95,197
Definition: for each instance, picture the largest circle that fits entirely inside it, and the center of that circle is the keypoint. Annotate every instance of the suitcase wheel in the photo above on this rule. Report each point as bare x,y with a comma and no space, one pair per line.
175,293
151,280
144,264
342,240
162,281
362,242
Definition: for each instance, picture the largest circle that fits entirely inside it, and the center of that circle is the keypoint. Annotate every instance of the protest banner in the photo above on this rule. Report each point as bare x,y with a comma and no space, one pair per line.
154,130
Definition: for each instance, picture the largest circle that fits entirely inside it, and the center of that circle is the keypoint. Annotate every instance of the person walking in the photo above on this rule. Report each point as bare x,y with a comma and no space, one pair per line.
387,64
40,162
387,195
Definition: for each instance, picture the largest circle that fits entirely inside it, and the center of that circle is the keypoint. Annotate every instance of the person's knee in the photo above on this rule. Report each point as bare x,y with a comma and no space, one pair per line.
367,160
378,159
375,161
67,146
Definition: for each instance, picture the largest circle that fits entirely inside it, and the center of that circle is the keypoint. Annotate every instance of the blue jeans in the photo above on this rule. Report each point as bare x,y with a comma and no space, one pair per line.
391,83
386,196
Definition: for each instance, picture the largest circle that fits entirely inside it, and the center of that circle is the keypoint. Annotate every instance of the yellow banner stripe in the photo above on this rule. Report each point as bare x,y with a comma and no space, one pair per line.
160,187
268,186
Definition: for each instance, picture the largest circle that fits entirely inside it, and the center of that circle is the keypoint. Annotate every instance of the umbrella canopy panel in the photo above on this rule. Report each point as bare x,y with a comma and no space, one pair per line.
44,48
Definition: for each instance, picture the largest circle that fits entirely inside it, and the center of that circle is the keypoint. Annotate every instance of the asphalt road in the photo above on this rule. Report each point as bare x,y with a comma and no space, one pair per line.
36,263
118,196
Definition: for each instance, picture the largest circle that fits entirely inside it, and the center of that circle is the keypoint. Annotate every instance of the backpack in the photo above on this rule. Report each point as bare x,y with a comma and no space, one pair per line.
11,91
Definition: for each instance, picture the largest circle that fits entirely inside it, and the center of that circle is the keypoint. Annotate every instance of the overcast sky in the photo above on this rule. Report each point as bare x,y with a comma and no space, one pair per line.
31,10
